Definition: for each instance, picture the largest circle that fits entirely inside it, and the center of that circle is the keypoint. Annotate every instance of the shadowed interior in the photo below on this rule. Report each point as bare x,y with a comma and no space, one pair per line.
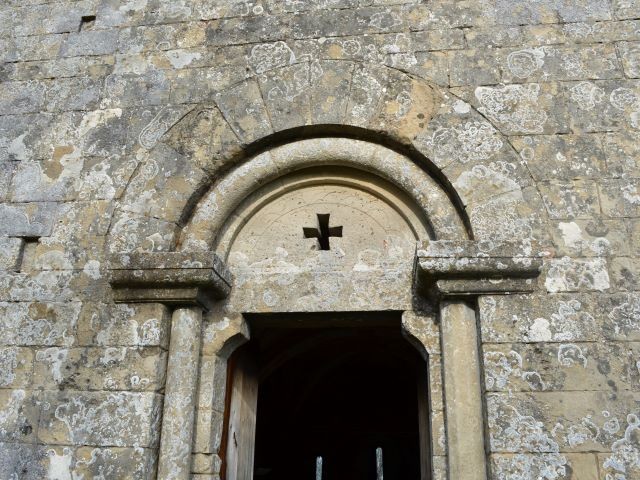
337,388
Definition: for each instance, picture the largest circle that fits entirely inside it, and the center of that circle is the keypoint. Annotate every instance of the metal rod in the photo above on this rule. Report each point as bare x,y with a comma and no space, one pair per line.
318,468
379,469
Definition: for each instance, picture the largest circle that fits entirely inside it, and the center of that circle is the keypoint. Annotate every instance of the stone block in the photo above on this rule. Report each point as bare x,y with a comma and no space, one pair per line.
121,463
245,111
33,48
35,323
103,133
560,318
206,137
619,462
200,85
213,378
458,134
476,181
286,93
206,463
561,366
620,197
22,97
249,29
626,8
495,36
423,327
27,219
135,325
622,153
74,94
532,108
111,368
602,105
433,40
16,367
473,67
131,232
132,89
406,107
633,236
208,431
516,214
552,422
438,433
431,66
328,101
6,172
559,466
23,461
177,179
558,63
10,253
572,275
630,54
367,84
49,286
47,181
18,415
90,42
561,157
39,19
596,237
577,199
100,418
625,273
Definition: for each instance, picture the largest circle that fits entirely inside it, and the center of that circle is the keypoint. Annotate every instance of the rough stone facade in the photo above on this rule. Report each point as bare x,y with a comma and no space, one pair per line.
140,127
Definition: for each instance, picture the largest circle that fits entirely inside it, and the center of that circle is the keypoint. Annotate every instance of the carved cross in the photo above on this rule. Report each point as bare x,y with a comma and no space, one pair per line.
323,232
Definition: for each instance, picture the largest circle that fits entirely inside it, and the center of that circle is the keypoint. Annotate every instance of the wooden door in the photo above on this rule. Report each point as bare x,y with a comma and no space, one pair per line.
241,430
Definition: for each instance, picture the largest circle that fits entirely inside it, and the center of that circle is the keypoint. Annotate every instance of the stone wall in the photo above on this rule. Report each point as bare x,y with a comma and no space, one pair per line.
89,88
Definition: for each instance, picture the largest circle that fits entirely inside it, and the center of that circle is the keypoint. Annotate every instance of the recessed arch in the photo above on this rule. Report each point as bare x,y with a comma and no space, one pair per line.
370,186
224,198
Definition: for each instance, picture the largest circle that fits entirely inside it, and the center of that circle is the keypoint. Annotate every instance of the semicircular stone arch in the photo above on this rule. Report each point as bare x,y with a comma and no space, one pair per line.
184,151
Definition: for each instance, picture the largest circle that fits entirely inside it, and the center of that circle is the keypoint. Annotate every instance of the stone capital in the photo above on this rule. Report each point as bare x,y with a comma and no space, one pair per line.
172,278
452,269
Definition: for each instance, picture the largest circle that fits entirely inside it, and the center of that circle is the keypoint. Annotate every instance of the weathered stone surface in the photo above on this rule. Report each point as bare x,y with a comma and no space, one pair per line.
595,237
37,323
100,418
19,410
564,157
561,366
140,325
10,252
110,368
150,126
553,422
546,466
96,42
560,318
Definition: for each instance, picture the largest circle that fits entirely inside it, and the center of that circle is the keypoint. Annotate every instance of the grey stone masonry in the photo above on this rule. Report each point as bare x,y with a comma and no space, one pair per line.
138,139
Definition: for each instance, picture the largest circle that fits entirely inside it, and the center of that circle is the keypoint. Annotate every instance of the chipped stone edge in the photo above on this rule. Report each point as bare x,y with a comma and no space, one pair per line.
172,278
449,269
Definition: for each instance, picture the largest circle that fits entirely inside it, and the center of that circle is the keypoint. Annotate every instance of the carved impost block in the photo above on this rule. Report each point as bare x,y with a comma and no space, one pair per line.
452,269
172,278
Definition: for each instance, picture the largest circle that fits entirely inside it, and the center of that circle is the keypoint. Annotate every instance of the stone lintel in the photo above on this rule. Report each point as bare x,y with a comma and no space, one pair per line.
172,278
449,268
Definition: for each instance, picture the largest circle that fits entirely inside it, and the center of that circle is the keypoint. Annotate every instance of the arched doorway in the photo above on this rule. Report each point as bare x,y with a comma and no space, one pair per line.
389,257
339,397
331,242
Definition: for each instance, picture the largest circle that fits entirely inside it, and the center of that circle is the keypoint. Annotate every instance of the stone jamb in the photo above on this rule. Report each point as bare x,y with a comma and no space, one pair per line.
452,273
189,283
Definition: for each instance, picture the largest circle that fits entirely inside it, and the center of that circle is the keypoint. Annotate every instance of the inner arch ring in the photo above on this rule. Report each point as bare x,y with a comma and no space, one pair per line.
221,202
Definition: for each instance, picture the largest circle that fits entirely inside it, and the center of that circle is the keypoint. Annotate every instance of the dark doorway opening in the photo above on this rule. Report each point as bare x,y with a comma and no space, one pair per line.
336,387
